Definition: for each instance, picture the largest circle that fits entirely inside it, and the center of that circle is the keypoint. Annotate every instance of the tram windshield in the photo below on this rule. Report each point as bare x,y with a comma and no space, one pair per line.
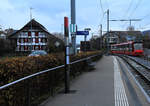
138,46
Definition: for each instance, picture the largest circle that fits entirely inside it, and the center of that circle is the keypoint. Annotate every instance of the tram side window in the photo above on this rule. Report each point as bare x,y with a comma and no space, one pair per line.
116,48
112,47
130,47
124,47
120,47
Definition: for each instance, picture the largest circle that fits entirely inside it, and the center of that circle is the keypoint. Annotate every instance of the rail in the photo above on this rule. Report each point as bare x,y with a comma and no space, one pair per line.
140,68
28,78
140,63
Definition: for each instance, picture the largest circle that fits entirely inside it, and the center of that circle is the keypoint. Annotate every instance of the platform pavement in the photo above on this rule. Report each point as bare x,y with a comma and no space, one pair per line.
96,88
93,88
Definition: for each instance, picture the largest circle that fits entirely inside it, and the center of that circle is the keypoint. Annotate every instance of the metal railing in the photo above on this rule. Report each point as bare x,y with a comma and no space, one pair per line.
38,86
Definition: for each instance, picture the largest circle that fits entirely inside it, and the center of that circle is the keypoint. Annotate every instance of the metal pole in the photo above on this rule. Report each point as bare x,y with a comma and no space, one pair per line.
101,29
73,21
67,60
85,36
107,29
130,23
31,29
100,36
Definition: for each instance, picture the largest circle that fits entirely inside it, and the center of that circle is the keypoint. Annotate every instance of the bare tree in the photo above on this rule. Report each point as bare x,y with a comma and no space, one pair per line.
59,35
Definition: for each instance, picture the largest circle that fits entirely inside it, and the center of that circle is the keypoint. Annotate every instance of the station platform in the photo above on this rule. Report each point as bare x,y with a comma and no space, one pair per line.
110,84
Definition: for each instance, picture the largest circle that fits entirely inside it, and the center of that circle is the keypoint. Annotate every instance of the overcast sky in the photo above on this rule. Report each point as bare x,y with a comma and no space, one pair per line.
50,13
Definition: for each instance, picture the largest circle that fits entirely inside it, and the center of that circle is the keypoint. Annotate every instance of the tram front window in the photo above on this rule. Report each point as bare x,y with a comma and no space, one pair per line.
138,46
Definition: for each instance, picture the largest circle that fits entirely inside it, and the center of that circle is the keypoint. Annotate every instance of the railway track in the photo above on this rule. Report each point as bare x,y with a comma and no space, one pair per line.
139,67
140,71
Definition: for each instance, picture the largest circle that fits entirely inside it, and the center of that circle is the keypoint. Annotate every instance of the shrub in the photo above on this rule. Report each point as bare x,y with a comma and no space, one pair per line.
12,69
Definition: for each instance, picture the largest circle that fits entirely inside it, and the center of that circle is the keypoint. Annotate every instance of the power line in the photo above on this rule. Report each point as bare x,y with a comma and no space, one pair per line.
145,16
129,7
144,26
107,4
137,5
133,11
101,6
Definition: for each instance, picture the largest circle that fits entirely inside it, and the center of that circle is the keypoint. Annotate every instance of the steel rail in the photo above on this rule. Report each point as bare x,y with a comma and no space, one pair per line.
142,73
147,67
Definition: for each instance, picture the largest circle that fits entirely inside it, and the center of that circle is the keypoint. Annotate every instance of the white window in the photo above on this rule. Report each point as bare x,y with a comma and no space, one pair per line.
33,34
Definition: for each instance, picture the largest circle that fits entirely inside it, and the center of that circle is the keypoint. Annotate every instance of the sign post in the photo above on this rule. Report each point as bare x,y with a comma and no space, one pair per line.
67,60
85,33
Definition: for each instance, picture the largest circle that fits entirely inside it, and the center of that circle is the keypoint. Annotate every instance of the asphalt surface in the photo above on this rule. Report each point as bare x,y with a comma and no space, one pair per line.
110,84
92,88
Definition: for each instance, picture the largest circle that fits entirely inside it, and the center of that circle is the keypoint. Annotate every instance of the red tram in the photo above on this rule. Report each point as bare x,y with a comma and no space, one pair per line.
128,48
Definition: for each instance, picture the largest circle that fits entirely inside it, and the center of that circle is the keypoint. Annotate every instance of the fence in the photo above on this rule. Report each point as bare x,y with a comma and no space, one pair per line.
33,89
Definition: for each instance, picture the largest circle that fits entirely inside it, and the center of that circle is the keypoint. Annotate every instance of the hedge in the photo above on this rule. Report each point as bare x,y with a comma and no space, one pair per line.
40,87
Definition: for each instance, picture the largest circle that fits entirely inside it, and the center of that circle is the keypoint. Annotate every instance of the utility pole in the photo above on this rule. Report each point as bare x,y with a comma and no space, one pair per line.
100,39
73,21
31,13
32,48
101,29
107,29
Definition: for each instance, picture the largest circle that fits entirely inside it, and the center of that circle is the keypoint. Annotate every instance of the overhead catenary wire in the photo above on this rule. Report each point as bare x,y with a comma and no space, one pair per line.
136,7
107,4
128,9
145,16
133,11
102,12
127,12
145,26
101,5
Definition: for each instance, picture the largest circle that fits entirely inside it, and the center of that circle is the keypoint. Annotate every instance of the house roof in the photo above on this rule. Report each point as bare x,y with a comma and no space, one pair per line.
2,32
32,23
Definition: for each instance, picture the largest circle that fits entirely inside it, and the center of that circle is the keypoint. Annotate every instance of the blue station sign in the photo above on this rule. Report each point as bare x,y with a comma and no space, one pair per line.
82,33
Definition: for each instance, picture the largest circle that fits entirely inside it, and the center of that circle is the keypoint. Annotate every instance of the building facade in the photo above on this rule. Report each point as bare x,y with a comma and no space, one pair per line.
2,35
33,36
31,40
115,37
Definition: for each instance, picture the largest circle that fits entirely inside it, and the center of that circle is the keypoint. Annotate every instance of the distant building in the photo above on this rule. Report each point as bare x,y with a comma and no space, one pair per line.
115,37
33,36
2,35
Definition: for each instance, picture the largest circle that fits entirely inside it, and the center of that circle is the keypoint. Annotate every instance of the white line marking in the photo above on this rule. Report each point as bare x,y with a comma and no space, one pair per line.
120,94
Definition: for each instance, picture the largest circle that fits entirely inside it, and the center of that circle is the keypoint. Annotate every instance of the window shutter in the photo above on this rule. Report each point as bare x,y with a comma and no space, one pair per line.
29,33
